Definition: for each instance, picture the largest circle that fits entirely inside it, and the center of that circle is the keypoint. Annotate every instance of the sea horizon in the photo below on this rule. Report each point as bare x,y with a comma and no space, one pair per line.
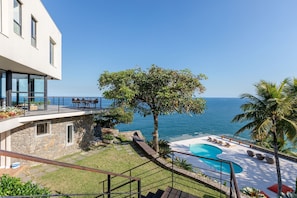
216,120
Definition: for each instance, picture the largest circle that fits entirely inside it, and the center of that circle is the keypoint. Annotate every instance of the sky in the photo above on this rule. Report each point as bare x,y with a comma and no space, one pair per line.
235,43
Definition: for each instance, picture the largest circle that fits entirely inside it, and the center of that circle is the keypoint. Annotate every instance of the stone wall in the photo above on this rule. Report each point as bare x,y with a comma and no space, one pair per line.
53,145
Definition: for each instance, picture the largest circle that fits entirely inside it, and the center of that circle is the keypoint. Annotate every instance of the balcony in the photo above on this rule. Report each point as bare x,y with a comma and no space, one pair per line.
34,106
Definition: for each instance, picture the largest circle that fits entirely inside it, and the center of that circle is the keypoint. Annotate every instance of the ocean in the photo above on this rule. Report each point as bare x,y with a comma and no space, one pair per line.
216,120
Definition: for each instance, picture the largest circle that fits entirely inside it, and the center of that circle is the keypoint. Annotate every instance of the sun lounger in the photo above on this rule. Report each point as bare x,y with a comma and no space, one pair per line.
215,141
250,153
269,159
227,144
209,139
259,156
220,142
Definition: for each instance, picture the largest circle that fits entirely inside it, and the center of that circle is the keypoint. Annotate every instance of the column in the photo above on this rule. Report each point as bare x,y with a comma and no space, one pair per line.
5,144
2,147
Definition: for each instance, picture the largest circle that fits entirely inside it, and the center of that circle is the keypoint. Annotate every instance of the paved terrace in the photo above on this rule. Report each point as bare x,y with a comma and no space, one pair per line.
256,173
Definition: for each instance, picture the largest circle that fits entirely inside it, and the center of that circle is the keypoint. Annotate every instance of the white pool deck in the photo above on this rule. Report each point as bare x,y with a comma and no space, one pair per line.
256,173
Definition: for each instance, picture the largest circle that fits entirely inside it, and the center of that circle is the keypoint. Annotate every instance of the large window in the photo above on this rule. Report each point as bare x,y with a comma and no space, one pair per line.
0,15
17,17
52,51
42,128
19,88
33,31
69,134
36,91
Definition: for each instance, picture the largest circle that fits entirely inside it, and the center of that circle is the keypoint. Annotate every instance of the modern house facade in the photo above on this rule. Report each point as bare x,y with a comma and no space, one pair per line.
30,51
30,55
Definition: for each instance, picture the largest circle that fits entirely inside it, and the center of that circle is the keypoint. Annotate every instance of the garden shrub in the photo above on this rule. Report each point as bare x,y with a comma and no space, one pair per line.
12,186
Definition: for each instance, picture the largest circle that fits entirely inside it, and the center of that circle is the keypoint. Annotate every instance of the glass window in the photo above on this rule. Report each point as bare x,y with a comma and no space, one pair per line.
52,51
69,134
19,88
17,17
2,83
0,15
33,31
42,128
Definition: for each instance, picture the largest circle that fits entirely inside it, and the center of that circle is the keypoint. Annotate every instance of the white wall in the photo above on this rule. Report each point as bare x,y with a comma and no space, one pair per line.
16,52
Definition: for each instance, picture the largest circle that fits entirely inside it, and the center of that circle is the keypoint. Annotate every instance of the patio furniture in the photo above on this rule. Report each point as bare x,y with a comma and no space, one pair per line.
94,102
209,139
75,101
85,102
227,144
285,189
259,156
269,159
250,153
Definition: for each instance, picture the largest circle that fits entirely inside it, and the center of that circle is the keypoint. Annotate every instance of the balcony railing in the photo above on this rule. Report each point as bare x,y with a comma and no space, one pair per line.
58,104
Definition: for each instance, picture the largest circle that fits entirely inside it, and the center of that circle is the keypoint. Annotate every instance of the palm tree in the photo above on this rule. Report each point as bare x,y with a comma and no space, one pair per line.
269,114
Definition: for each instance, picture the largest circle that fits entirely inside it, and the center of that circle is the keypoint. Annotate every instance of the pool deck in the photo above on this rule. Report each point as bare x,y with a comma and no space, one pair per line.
256,173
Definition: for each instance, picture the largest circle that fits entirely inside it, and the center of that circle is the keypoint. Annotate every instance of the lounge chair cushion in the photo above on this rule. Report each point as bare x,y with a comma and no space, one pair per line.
285,189
250,153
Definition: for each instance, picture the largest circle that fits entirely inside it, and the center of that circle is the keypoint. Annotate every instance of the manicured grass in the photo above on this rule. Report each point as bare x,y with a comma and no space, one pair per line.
119,159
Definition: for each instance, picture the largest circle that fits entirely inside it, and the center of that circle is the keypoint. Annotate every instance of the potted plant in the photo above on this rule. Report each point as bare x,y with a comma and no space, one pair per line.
108,138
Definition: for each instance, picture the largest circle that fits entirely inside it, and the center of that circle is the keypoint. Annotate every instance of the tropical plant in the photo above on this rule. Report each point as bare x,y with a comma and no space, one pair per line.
12,186
269,115
182,163
252,192
164,147
156,91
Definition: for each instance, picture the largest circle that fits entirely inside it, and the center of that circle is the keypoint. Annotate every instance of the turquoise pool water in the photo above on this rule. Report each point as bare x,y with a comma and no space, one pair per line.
210,151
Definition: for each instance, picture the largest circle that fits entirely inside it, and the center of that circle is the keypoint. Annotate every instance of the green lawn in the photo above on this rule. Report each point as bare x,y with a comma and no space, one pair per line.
119,159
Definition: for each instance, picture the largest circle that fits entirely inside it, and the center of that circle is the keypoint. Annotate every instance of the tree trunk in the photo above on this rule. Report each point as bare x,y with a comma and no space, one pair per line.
155,133
279,179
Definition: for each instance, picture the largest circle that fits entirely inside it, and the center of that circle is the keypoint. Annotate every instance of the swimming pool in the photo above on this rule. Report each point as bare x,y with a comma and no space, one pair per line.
210,151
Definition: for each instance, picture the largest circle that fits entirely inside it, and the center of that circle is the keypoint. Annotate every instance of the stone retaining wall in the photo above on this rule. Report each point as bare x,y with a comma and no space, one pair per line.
53,145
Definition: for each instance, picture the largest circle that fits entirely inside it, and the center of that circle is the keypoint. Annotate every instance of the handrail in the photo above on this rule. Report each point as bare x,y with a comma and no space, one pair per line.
73,166
232,174
63,164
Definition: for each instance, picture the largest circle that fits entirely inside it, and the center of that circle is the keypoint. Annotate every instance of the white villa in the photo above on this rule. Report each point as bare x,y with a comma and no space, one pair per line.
30,55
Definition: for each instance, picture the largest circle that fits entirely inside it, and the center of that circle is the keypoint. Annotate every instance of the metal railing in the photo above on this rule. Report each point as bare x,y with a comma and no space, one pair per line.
217,176
58,104
108,192
224,183
128,183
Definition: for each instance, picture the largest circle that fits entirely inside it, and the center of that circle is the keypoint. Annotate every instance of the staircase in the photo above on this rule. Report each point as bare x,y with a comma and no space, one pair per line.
169,193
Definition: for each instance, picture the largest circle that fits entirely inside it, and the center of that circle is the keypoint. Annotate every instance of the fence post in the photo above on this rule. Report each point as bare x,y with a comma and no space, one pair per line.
231,185
103,189
108,186
139,188
58,104
130,181
172,176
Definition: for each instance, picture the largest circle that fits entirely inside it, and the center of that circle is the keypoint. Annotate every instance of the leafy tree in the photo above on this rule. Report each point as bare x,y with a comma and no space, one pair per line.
156,91
269,114
113,116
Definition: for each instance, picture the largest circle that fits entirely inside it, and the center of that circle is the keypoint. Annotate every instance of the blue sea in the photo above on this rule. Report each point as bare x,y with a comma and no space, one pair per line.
216,120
